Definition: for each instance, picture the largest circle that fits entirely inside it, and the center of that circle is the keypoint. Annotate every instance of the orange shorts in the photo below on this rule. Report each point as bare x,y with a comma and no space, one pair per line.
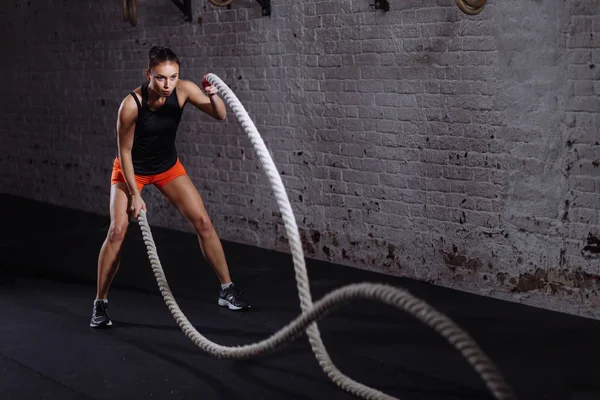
141,180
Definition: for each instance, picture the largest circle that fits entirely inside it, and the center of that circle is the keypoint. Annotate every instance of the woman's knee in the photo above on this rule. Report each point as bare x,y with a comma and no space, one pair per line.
202,225
117,231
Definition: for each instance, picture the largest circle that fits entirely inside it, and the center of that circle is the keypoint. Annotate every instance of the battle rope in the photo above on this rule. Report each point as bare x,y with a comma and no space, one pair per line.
311,313
471,7
129,11
220,3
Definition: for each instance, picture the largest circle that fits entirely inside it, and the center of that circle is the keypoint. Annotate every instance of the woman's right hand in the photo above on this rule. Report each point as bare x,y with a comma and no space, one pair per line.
137,204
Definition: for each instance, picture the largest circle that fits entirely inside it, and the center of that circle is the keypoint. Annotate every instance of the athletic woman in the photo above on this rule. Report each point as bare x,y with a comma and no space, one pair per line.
147,125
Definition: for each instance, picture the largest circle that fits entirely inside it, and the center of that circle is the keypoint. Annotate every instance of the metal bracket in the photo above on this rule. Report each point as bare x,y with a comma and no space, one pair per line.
266,7
185,7
381,5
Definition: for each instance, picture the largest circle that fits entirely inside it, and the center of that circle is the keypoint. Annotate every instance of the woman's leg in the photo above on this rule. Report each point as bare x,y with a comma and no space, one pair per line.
110,252
184,196
179,189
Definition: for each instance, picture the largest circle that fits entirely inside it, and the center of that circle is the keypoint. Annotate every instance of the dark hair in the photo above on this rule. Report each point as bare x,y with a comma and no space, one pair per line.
158,55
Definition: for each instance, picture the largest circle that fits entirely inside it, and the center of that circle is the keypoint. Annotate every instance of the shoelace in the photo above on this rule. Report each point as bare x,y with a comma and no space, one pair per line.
100,308
235,293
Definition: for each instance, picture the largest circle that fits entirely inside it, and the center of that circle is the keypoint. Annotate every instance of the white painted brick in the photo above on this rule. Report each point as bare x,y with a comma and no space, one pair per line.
390,129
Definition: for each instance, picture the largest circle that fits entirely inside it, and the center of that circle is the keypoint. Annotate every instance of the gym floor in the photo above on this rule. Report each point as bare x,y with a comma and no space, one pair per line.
48,351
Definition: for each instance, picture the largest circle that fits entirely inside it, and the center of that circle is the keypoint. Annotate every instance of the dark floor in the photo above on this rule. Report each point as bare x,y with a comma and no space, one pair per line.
47,350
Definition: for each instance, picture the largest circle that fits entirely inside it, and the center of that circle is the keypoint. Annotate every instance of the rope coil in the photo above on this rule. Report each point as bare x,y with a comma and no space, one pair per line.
305,322
471,7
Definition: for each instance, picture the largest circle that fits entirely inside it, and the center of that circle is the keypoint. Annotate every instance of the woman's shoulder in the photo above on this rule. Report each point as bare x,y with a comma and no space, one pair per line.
129,104
137,92
130,101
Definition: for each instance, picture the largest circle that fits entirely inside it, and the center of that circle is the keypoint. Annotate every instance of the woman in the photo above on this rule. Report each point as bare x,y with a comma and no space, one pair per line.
146,129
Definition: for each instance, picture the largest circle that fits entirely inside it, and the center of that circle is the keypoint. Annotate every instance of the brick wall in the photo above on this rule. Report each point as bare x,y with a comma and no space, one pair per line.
460,150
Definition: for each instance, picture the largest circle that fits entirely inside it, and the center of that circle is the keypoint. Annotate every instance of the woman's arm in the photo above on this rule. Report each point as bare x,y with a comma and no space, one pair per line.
125,132
211,104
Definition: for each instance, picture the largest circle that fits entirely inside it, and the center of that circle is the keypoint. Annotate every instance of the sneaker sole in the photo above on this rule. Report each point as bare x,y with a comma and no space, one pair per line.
225,303
92,325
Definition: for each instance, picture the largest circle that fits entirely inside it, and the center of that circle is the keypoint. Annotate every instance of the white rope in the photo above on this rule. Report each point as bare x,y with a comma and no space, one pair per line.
313,312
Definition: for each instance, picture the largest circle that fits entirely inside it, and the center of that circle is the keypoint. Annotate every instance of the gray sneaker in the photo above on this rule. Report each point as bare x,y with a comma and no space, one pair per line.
100,317
234,299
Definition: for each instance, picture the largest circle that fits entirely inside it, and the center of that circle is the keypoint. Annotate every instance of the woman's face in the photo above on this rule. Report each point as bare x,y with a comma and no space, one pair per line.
163,78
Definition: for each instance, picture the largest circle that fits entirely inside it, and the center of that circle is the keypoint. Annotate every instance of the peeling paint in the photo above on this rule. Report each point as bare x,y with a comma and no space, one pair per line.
454,260
593,245
391,249
316,236
555,279
501,277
